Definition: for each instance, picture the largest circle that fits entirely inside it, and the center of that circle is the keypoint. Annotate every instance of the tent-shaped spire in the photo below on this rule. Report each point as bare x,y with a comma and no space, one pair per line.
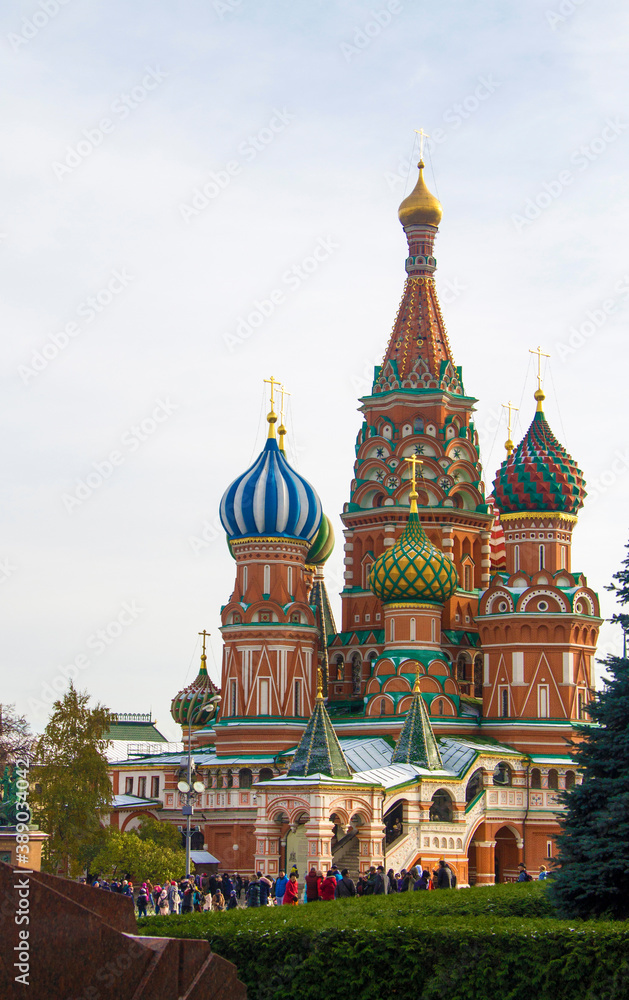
417,744
319,751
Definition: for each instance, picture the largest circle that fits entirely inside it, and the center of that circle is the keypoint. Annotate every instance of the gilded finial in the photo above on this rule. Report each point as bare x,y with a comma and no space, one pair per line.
539,395
413,495
511,408
204,635
420,208
272,416
416,684
281,430
319,684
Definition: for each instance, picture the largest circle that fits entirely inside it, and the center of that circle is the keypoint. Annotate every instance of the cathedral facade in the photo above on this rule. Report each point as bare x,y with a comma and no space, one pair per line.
435,722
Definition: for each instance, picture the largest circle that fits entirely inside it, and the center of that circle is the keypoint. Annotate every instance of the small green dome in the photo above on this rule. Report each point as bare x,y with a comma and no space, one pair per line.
323,545
413,569
198,703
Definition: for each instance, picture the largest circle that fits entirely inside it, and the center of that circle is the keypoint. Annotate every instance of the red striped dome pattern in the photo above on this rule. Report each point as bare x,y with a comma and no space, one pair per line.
539,475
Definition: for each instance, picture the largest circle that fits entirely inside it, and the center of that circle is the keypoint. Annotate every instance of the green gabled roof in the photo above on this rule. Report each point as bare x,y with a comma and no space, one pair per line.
319,751
417,744
458,638
364,636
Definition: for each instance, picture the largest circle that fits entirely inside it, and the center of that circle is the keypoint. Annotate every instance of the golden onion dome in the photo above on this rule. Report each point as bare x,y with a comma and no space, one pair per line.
421,208
413,569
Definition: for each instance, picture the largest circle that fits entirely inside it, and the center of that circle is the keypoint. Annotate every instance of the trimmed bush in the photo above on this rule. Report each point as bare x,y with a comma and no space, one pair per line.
495,943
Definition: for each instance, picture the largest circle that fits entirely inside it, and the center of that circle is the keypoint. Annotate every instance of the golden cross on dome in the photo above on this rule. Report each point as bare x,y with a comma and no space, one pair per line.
511,408
272,382
205,636
271,416
422,135
281,430
319,684
416,687
540,354
414,460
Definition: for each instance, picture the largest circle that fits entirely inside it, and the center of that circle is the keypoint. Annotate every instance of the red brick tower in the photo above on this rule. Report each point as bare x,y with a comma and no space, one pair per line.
538,620
272,517
417,407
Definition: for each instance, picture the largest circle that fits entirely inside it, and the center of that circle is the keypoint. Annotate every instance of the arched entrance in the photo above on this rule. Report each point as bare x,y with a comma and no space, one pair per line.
506,855
472,864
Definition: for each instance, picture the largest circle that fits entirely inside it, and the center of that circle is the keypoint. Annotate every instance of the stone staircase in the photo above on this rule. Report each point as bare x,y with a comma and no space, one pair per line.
346,854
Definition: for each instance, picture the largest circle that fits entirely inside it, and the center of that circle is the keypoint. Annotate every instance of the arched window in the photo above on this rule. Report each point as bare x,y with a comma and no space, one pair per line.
440,707
383,706
502,774
265,774
392,630
433,630
536,778
230,779
413,635
244,579
474,785
289,579
441,807
569,779
553,779
245,777
542,556
340,668
418,425
266,588
516,558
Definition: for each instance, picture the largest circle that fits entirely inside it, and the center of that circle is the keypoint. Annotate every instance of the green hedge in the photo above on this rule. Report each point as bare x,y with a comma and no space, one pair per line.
495,943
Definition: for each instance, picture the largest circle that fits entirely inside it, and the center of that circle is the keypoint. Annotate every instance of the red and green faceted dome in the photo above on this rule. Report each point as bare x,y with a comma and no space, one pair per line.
197,704
413,569
323,545
539,475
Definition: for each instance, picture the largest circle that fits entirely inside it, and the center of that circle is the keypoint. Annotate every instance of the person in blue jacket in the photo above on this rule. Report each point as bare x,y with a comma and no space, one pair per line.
280,887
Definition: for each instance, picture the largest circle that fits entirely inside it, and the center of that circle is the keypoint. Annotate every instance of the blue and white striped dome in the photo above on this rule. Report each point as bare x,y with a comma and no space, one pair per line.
270,498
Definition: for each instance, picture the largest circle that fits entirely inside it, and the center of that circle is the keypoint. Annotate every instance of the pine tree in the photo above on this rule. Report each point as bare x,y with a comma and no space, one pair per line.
72,784
593,848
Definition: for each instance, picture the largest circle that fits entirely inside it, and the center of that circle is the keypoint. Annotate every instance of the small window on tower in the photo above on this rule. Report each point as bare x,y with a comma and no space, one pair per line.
289,579
297,698
295,617
232,697
516,558
542,556
504,702
266,587
155,787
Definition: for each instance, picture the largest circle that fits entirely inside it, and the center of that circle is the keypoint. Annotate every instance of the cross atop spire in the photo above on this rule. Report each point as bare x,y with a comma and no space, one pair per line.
414,460
510,407
205,635
422,135
272,416
281,430
539,395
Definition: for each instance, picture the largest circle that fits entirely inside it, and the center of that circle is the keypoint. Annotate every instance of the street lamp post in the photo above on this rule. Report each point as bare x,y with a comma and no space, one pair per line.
194,706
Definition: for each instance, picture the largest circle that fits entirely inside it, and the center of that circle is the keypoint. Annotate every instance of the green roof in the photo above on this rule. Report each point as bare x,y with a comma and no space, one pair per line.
133,729
417,744
319,751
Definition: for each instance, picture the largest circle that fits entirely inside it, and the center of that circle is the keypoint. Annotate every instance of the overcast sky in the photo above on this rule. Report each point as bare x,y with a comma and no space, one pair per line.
167,167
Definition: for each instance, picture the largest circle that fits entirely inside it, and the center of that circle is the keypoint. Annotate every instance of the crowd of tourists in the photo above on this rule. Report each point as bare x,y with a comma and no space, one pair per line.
215,892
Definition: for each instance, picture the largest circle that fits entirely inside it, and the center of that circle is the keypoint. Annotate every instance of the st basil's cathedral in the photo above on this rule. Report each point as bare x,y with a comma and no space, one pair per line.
435,722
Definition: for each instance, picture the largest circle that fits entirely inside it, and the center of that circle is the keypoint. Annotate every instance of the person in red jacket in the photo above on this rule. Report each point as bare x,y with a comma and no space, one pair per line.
313,881
291,892
327,889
